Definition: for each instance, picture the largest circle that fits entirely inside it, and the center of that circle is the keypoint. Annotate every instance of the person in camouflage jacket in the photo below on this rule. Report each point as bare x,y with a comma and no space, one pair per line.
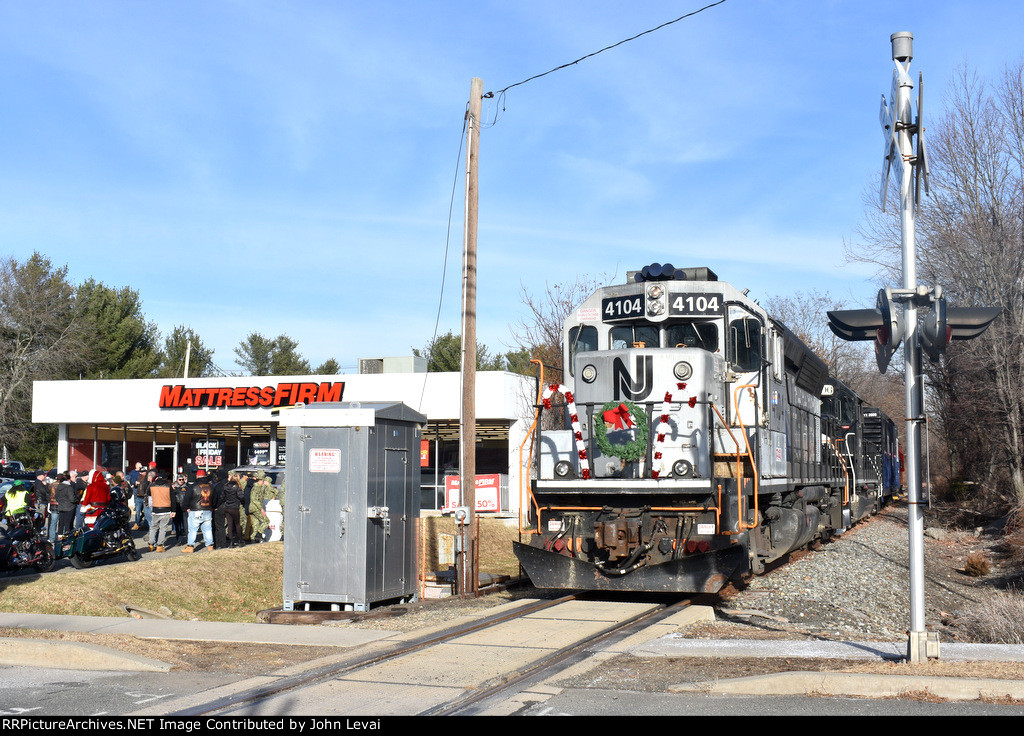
262,492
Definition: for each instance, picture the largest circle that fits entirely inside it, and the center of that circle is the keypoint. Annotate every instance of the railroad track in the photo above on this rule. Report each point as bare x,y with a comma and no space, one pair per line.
528,644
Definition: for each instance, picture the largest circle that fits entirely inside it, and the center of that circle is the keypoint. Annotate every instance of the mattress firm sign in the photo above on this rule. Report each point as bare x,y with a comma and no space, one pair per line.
241,397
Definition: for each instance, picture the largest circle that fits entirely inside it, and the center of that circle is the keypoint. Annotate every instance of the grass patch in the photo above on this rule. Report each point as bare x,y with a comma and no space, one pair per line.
997,619
495,543
219,585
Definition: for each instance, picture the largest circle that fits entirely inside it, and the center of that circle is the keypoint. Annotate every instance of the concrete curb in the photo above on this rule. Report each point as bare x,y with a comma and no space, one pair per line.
857,685
71,655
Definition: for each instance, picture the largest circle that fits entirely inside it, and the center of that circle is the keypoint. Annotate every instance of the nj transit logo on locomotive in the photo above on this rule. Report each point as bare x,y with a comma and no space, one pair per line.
625,386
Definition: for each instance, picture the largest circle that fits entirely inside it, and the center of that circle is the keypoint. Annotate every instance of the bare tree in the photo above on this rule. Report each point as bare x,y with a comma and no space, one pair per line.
969,238
540,331
804,314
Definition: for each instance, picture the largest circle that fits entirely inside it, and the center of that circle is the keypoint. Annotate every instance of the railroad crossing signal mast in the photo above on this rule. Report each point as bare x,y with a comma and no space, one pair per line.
887,327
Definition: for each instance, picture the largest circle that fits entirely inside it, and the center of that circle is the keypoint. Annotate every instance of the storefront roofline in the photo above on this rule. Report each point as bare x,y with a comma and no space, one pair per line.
254,399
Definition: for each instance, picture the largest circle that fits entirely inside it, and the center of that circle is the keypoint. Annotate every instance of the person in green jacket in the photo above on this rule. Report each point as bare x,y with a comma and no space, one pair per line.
18,500
262,492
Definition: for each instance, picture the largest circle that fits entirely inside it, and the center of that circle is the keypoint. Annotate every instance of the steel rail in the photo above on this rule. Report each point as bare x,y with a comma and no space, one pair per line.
552,663
328,672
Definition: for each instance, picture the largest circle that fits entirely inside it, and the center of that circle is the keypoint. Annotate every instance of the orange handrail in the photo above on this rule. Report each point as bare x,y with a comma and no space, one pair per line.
529,436
743,526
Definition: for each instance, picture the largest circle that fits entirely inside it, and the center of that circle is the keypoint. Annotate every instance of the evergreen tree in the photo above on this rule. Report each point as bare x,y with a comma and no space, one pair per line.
329,367
262,356
40,339
177,344
122,344
256,355
286,358
444,354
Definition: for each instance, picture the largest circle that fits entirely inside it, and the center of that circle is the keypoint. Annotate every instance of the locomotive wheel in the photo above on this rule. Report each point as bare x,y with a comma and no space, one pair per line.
46,559
81,563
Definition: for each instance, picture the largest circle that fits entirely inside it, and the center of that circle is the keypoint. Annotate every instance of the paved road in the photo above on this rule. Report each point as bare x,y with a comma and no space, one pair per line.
43,678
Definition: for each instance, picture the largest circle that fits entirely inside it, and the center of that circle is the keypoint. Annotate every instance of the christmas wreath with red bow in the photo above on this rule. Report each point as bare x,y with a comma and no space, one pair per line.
622,415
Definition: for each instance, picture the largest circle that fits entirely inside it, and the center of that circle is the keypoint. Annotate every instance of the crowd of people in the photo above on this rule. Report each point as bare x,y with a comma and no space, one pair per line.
225,508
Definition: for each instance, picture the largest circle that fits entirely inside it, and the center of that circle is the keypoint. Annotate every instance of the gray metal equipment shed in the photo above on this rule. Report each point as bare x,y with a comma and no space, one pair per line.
352,479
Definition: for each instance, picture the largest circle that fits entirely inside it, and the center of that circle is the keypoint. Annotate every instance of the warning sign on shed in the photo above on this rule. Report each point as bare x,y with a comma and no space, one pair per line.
325,461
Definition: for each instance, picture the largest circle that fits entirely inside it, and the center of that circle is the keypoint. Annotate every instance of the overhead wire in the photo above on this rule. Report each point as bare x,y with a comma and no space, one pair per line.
501,94
502,91
447,243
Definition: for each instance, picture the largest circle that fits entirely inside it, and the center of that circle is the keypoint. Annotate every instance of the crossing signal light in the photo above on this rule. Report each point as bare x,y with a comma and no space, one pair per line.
935,333
968,323
855,324
953,323
883,324
889,336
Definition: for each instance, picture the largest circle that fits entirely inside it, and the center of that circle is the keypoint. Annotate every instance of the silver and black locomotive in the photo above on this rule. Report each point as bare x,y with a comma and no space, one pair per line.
698,439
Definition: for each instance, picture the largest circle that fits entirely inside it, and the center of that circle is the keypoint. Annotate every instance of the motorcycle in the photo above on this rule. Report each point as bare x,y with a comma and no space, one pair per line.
23,545
108,537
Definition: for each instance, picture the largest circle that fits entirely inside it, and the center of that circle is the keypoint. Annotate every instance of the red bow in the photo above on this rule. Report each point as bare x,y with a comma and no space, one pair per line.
619,418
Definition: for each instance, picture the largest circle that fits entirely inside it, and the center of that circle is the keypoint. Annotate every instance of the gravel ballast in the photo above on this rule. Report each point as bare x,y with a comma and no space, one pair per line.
857,586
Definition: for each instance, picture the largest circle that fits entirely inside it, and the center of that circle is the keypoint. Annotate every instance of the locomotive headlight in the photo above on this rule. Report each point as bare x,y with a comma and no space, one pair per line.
589,373
681,469
682,370
563,469
655,300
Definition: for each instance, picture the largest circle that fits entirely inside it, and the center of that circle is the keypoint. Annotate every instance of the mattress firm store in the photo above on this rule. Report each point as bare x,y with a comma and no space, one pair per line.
230,422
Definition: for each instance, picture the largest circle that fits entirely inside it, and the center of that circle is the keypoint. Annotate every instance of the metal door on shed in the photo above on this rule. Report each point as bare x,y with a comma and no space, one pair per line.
333,473
387,518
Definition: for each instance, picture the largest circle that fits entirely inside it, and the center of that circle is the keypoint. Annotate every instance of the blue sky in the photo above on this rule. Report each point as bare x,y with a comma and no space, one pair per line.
288,167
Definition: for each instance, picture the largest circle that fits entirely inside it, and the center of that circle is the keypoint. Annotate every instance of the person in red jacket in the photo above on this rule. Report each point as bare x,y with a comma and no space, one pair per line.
95,498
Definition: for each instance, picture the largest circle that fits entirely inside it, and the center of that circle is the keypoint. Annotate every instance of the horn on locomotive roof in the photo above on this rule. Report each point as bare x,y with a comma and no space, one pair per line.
668,272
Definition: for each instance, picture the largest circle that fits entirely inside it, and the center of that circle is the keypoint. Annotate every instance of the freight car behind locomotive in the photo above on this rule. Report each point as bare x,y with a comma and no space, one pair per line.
701,440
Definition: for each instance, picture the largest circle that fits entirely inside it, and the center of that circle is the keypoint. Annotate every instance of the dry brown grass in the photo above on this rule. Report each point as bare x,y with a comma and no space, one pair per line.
496,537
998,618
977,565
218,585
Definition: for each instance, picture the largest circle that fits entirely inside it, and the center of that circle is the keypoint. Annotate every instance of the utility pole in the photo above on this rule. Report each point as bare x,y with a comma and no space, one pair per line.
468,576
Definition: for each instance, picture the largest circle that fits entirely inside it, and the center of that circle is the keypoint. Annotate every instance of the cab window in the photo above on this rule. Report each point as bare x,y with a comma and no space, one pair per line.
702,335
581,340
634,336
745,344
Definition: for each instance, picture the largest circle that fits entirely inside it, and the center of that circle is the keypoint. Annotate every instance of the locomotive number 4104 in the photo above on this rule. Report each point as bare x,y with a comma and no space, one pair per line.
680,305
622,307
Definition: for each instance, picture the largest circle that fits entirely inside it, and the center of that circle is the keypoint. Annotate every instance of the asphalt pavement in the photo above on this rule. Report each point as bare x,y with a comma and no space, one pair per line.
72,655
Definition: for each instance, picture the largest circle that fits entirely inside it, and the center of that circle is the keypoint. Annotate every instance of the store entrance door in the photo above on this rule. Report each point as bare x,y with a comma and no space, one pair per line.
165,460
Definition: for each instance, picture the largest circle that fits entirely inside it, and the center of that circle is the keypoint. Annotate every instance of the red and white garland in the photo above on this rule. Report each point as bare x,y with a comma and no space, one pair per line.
659,439
577,430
